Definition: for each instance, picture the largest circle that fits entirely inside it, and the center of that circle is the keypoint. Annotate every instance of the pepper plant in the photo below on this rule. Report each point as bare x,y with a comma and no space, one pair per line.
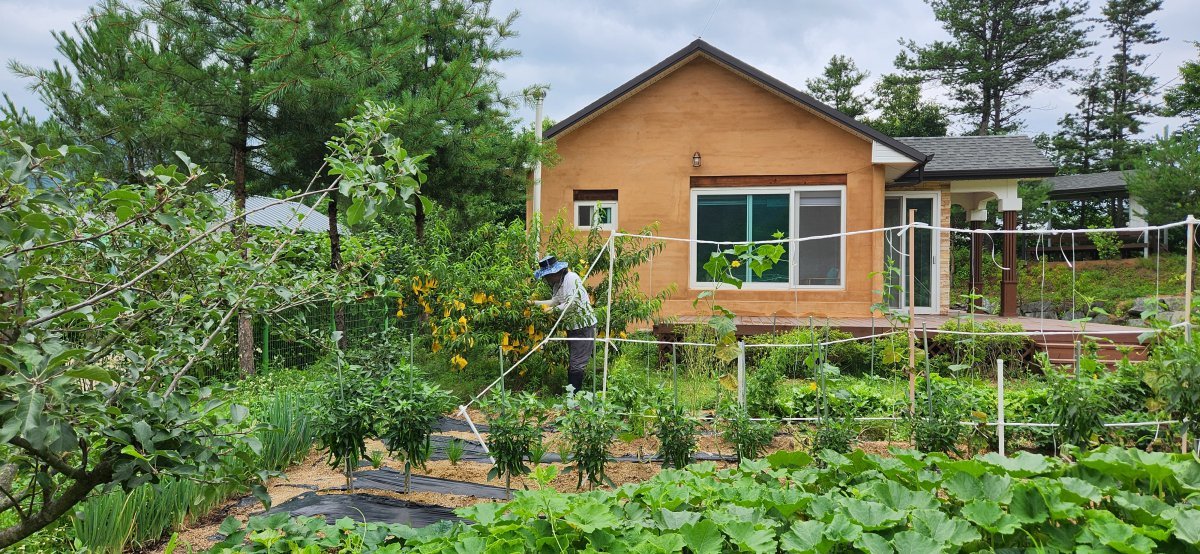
676,433
345,417
408,409
514,432
589,423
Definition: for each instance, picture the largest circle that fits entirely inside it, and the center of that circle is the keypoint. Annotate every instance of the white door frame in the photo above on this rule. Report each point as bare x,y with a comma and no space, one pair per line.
934,245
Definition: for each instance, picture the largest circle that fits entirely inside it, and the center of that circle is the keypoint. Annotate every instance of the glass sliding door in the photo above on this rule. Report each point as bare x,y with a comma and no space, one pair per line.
895,212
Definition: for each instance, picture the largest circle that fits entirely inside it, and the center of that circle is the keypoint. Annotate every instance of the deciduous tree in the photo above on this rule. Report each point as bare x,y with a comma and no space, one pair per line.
1164,182
1183,100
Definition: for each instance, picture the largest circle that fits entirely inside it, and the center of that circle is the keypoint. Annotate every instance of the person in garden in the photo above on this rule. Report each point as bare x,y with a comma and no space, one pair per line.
579,319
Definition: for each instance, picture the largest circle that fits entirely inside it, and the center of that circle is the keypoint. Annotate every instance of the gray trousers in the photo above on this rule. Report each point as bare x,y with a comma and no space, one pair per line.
581,354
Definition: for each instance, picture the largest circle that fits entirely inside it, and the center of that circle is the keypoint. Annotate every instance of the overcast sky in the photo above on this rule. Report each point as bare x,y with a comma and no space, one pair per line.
585,48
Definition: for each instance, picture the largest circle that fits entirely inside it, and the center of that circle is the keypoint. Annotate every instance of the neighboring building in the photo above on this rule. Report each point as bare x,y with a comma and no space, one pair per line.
714,149
264,211
1106,192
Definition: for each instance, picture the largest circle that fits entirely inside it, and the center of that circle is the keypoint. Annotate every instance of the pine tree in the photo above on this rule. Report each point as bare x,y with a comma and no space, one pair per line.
999,52
1078,146
836,86
902,111
1129,88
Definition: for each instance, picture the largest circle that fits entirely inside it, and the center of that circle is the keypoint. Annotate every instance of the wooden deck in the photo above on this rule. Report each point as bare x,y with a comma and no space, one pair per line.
1056,337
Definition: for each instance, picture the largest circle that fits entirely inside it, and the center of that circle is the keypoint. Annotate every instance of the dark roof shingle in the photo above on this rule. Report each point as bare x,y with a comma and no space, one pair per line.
979,157
1088,183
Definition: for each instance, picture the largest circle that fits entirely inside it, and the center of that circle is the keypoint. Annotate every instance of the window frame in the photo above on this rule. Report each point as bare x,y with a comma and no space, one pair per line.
596,204
793,229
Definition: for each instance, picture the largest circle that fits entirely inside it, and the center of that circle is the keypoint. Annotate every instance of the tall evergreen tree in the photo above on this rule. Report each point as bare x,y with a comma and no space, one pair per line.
999,52
836,86
1078,146
1129,88
902,111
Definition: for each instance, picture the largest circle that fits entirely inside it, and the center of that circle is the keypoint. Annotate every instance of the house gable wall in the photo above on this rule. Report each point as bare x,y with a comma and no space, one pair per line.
643,146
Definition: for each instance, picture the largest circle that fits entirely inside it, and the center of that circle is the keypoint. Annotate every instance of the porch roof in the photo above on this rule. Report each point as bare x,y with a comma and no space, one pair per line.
1089,184
982,157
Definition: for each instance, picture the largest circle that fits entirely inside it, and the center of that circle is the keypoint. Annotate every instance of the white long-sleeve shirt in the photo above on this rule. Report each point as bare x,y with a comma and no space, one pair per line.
572,297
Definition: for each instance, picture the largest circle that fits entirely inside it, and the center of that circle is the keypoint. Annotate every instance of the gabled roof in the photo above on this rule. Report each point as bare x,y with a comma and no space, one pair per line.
700,48
279,215
982,157
1063,186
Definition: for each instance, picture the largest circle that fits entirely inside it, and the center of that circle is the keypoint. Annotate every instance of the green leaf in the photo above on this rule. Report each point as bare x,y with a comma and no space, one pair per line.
748,536
795,459
92,373
703,537
912,541
942,529
990,516
260,492
144,435
1187,526
873,544
805,536
675,520
592,515
1021,464
872,516
238,413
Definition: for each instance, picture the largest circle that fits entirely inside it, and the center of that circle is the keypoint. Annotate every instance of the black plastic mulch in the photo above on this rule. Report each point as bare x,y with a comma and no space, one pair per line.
392,480
455,424
365,507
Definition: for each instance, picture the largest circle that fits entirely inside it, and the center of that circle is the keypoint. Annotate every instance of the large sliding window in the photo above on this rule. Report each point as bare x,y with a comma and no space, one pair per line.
739,215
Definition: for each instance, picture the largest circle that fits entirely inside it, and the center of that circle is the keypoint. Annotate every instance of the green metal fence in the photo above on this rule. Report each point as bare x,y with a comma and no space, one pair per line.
302,336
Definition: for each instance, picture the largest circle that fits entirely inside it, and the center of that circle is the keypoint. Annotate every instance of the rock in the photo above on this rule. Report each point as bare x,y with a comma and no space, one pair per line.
1102,318
1172,317
1069,315
1135,322
1173,303
1042,309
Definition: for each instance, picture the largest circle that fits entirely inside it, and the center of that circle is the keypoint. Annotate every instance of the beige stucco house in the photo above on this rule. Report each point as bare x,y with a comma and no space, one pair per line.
711,148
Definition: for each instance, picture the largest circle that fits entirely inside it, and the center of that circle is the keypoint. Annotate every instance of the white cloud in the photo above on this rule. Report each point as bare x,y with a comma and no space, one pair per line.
585,48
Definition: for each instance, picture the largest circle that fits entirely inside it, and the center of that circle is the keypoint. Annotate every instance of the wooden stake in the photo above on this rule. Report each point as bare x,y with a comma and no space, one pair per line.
912,312
1000,404
1187,290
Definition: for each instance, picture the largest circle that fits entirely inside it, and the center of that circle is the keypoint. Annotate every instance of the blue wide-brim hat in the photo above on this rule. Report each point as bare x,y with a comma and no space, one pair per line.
548,266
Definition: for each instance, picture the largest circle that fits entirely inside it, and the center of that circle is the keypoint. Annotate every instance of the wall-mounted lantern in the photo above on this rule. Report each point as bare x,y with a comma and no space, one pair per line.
696,159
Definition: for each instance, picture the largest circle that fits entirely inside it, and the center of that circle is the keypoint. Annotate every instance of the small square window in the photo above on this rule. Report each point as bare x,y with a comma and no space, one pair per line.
600,214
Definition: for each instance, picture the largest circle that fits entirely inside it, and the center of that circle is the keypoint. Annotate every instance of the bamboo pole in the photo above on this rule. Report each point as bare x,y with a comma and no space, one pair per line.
741,374
1000,404
912,312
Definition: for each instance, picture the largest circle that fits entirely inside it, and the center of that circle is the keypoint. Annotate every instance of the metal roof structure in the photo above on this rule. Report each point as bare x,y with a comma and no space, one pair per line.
982,157
1087,184
264,211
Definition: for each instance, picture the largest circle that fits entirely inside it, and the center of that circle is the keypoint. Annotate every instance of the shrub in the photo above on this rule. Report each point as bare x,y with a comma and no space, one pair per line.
408,410
1108,245
941,406
633,393
1173,373
514,432
676,434
749,438
833,434
853,356
1077,403
762,392
588,423
345,417
978,353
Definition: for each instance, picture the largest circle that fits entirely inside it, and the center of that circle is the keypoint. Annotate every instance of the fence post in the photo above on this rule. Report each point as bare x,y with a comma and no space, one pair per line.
1000,404
501,347
912,312
741,375
1187,289
266,355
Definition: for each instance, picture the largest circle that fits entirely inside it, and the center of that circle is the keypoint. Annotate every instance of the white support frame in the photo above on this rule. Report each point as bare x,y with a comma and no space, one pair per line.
793,230
597,205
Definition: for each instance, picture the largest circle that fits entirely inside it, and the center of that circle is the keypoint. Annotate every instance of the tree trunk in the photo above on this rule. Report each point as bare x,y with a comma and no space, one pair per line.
335,263
245,327
55,509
